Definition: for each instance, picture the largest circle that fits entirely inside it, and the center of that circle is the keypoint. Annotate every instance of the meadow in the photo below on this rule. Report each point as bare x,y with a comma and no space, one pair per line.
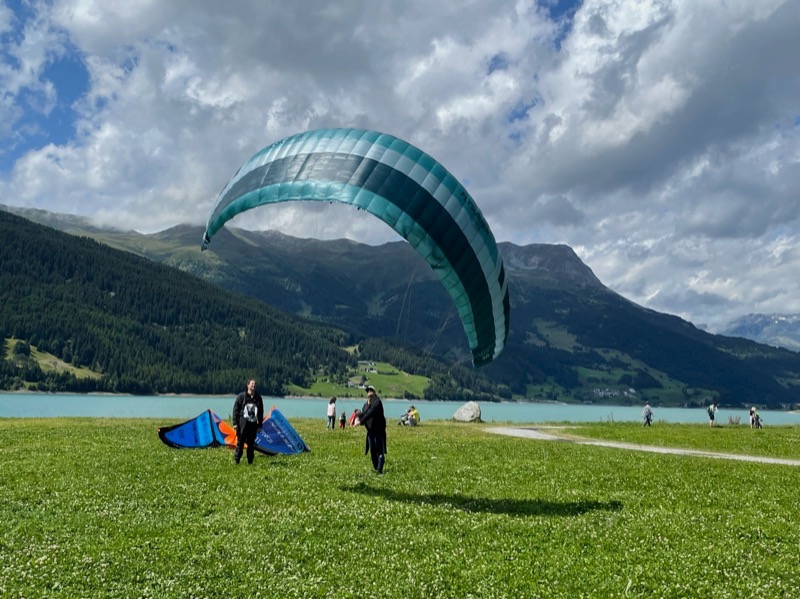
102,508
383,376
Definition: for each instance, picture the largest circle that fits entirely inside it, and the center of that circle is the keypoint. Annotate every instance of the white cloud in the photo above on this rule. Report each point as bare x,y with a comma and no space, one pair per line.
660,138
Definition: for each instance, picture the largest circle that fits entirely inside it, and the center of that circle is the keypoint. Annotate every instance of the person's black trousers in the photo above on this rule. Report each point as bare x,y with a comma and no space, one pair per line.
248,435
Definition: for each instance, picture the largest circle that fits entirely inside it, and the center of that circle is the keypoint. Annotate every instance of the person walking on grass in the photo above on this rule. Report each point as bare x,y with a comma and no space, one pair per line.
755,418
712,410
331,414
248,415
647,414
373,419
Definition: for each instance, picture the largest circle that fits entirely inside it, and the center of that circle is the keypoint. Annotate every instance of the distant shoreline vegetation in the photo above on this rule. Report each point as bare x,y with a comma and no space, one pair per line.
49,374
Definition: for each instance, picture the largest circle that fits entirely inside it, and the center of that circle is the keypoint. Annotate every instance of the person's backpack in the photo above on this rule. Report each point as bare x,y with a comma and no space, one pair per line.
710,410
250,412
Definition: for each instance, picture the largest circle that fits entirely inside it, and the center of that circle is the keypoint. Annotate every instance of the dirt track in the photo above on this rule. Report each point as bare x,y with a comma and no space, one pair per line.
551,435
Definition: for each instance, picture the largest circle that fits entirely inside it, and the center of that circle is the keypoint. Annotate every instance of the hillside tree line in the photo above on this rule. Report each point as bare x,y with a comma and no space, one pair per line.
144,327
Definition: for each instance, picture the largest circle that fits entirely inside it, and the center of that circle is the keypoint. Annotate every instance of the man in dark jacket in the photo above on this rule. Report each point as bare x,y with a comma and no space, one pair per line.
248,414
375,422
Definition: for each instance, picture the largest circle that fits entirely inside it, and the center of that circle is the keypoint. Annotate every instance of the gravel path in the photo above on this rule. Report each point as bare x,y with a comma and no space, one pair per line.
539,434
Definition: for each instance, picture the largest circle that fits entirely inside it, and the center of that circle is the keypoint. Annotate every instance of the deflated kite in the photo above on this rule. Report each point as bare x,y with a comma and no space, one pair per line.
405,188
275,436
204,430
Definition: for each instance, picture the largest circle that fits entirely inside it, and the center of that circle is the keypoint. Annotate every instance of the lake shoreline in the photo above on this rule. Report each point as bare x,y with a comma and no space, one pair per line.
531,402
28,404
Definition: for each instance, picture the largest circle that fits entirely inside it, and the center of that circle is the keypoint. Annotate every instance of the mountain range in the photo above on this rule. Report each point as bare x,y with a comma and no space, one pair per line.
571,337
780,330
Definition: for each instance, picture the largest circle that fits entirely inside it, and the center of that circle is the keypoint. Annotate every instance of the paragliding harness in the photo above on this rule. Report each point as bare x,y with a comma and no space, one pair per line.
250,412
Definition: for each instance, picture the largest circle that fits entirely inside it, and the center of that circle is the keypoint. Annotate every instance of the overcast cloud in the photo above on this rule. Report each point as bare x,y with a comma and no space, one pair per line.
659,139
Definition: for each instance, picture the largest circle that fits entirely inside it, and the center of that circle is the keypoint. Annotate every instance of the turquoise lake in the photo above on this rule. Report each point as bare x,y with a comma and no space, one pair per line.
34,405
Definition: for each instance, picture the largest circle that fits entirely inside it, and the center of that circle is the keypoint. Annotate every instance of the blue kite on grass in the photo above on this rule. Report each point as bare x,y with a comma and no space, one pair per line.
276,435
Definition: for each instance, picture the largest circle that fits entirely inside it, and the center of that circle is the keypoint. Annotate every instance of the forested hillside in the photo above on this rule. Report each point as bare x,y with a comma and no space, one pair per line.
145,327
571,338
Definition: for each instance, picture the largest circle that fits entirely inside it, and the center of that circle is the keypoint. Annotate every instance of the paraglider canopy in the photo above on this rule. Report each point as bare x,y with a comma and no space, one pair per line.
405,188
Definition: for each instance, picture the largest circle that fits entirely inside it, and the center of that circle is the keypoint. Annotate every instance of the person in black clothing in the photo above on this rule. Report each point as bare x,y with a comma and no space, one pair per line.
712,410
375,422
248,415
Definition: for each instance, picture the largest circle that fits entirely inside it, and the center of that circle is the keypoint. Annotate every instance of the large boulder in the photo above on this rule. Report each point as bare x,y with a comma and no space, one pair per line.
469,412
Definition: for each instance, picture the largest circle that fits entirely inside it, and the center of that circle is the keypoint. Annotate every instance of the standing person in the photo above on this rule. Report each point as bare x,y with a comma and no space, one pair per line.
712,410
248,415
647,414
331,414
753,417
343,419
375,422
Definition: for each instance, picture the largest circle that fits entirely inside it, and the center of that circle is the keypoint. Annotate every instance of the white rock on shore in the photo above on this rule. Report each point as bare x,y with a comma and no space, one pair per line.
469,412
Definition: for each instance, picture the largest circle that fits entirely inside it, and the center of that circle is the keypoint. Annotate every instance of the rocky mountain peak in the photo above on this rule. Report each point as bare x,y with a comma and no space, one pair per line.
557,260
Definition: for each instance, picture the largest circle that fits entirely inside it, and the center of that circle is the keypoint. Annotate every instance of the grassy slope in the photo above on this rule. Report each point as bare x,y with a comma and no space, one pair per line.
50,363
389,381
94,507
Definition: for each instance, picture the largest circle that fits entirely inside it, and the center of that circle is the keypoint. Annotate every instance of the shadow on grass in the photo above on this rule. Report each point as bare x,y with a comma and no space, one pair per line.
512,507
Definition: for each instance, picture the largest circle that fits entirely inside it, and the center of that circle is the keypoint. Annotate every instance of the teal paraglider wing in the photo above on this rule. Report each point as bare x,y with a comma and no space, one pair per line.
404,187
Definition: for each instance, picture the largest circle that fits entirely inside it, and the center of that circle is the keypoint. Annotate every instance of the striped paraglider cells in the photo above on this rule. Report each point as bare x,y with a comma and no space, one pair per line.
405,188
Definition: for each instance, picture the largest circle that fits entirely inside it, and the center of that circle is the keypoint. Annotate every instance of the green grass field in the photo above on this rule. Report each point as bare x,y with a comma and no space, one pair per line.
776,442
101,508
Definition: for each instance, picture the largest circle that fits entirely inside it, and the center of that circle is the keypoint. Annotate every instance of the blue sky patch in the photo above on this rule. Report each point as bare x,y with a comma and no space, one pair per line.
558,9
498,62
39,123
562,12
521,110
71,80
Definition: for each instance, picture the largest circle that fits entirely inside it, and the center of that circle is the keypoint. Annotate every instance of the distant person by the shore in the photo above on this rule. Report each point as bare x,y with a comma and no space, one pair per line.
755,418
331,424
712,411
647,414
